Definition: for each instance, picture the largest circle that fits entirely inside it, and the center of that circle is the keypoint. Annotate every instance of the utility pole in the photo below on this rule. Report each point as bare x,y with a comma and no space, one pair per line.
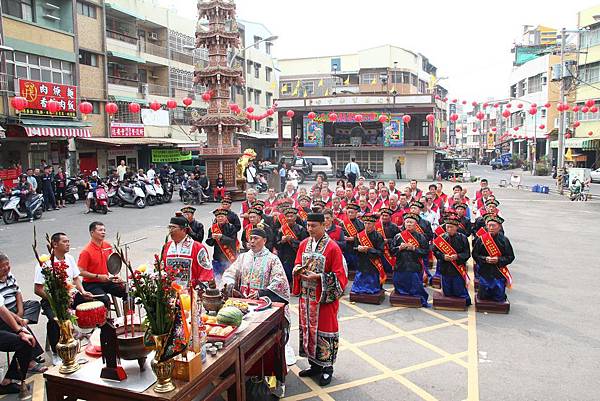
560,159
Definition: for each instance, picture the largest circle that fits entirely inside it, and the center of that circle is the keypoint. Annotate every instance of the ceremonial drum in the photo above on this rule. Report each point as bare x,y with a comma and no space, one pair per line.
90,314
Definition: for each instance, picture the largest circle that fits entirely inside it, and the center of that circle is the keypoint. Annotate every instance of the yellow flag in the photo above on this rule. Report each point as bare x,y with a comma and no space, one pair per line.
393,89
321,83
284,88
298,84
305,93
327,92
432,82
374,81
347,81
295,92
273,85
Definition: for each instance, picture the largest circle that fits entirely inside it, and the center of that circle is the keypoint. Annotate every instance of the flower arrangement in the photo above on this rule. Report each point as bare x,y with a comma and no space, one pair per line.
56,286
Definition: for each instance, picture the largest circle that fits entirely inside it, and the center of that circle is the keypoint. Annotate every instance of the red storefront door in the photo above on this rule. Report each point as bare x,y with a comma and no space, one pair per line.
88,162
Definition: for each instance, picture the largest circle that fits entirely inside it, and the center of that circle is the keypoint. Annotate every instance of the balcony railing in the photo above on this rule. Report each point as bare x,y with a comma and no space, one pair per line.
153,49
127,81
182,58
123,37
154,89
218,150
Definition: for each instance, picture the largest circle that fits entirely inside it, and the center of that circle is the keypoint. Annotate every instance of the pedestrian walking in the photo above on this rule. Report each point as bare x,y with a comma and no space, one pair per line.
282,177
48,189
398,169
250,175
352,171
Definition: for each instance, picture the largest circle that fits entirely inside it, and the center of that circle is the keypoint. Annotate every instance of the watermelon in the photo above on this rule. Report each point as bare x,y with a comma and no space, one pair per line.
230,315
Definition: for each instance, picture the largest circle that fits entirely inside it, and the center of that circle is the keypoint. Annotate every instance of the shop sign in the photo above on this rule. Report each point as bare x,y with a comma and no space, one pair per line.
39,93
126,130
393,132
170,155
343,117
313,133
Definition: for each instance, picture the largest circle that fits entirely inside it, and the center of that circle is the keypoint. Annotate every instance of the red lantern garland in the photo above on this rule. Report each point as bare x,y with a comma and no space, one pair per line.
290,113
312,115
155,105
333,117
86,108
18,103
187,102
52,106
250,109
171,104
134,107
430,118
382,119
111,108
270,112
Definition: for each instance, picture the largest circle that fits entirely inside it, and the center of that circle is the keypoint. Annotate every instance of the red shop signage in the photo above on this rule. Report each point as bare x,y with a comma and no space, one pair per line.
39,93
125,130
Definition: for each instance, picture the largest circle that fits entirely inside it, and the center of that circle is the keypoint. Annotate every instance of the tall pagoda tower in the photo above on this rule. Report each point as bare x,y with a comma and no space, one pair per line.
220,123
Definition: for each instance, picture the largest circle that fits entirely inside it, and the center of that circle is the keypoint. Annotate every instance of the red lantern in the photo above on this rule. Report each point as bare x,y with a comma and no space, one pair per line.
508,106
453,117
458,130
86,107
590,133
155,105
506,114
474,130
233,106
566,107
474,104
496,105
206,96
445,99
567,136
52,106
250,109
438,97
575,109
382,119
19,103
187,102
134,107
358,118
406,118
171,104
430,118
333,117
516,128
270,112
480,116
542,126
560,107
576,124
290,113
464,102
589,103
494,129
520,105
585,109
534,105
454,100
111,108
533,111
593,109
312,115
485,105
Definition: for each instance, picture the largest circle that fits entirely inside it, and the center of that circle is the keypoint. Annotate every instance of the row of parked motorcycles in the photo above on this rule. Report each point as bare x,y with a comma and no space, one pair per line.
108,192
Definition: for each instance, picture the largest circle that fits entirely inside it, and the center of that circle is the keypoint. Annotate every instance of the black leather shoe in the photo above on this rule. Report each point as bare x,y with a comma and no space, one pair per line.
325,379
309,372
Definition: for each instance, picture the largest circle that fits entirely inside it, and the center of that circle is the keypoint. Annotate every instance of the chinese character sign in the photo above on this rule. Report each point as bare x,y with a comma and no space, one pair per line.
124,130
313,133
170,155
393,132
38,94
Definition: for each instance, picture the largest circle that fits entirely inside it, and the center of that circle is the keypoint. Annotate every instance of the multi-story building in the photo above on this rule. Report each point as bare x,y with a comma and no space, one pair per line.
382,81
150,56
41,59
586,140
261,80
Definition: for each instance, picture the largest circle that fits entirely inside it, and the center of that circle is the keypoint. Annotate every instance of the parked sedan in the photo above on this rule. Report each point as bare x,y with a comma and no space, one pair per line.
595,175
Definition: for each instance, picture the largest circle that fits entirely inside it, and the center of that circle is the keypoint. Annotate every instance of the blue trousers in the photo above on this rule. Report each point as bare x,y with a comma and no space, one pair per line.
288,267
366,282
454,286
219,268
351,261
410,283
426,266
492,288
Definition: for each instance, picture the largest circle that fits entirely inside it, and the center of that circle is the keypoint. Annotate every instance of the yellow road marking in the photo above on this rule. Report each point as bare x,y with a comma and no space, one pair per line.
473,370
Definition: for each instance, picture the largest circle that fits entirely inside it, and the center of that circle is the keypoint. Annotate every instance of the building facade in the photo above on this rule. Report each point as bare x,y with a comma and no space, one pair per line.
382,81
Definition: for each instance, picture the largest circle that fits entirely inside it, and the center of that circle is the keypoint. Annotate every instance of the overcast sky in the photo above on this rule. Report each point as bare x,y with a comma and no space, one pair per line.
469,41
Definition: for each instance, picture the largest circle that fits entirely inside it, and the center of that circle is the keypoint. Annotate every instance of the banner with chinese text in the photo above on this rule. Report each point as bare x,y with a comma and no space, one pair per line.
313,133
170,155
39,93
393,132
125,130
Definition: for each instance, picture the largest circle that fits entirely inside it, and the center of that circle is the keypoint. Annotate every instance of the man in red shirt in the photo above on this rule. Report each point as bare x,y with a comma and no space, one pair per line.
93,269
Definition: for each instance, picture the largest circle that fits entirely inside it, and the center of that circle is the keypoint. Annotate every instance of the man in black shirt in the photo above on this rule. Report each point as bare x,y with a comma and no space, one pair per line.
196,231
48,189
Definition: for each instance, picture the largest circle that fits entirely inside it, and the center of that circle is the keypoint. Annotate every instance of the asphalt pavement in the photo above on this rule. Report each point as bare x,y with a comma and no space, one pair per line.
547,348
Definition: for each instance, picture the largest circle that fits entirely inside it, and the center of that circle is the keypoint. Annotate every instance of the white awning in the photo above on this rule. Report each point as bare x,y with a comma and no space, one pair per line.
58,132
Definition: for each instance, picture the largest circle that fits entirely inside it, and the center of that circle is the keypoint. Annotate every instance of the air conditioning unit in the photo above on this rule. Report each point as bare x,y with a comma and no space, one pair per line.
152,36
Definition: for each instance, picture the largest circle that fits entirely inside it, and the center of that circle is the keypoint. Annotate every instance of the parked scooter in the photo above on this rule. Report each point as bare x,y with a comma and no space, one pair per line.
160,193
99,202
76,189
150,192
167,186
111,192
131,195
12,213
